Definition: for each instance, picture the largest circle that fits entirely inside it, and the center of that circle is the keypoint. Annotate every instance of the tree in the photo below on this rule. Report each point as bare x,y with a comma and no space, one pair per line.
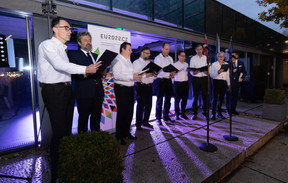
277,14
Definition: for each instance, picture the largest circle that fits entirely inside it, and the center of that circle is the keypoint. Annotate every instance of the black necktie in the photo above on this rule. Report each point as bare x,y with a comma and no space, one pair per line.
89,57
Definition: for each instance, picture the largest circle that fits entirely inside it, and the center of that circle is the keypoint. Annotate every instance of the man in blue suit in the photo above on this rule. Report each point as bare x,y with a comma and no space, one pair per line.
238,74
88,88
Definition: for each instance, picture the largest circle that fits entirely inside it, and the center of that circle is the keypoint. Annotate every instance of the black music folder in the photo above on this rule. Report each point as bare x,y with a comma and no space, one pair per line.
152,67
107,57
201,69
170,68
225,67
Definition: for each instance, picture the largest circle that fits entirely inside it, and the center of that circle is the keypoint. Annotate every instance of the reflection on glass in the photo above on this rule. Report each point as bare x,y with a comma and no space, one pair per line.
194,15
104,4
168,12
136,8
213,18
16,121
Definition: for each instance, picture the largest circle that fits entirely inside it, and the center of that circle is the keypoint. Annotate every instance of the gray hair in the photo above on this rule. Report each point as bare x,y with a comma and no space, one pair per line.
79,36
221,52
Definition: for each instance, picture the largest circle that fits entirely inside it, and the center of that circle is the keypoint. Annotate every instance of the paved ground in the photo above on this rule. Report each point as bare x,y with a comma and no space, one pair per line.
269,164
170,153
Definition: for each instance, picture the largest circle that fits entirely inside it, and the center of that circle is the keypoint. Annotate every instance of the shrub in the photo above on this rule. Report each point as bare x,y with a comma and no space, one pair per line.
90,157
274,96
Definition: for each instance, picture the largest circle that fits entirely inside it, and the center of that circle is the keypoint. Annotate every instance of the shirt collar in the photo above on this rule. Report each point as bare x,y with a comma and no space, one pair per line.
59,43
164,56
124,57
145,61
85,52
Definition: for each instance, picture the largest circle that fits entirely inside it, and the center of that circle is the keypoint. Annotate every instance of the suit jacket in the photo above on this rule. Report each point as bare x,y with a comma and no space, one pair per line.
236,75
90,86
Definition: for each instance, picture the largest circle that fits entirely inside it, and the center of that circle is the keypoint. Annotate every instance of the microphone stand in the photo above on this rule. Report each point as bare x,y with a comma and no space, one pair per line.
207,146
230,137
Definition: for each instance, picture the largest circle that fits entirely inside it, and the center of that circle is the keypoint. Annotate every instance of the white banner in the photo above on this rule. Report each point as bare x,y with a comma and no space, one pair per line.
107,38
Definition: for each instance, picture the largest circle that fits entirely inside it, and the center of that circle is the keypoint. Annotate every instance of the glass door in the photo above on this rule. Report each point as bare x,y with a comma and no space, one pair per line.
17,119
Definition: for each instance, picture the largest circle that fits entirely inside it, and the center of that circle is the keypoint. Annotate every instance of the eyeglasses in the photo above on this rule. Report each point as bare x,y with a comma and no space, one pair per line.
146,53
67,28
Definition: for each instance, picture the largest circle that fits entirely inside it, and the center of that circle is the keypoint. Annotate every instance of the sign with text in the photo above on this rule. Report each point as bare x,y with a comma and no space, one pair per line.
107,38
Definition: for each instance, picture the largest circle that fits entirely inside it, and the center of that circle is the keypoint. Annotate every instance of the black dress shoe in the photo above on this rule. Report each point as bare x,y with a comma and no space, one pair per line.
221,116
122,141
213,117
169,119
159,122
177,117
139,128
236,113
147,125
131,137
184,116
194,117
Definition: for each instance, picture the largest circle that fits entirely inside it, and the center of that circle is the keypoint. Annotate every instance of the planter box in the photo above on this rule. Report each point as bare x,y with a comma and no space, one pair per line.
274,112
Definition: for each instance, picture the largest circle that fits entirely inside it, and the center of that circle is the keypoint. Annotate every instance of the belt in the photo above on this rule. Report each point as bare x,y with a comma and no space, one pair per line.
145,84
68,83
123,85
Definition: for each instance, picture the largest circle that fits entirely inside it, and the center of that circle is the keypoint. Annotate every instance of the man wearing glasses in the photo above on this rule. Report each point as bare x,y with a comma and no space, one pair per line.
220,82
181,86
143,90
54,74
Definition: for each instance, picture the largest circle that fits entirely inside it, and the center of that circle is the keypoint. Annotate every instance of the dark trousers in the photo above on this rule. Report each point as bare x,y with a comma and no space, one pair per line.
219,89
59,101
200,84
181,90
87,107
234,92
164,88
125,104
144,103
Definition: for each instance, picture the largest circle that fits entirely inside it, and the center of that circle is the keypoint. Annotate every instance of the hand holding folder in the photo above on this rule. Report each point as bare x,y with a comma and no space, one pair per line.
107,57
224,67
170,68
152,67
201,69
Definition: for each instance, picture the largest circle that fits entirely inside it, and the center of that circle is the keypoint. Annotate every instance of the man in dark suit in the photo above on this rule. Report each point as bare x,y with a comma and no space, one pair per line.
238,74
88,88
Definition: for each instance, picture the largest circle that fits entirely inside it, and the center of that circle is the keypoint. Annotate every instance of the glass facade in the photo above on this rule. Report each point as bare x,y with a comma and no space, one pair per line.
205,16
16,112
194,15
137,8
169,12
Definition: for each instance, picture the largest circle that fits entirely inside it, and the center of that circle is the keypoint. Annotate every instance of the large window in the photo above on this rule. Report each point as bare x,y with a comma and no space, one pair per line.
168,12
194,15
16,114
213,18
137,8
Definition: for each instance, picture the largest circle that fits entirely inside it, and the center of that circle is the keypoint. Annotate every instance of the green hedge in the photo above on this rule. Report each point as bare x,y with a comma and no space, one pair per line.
90,157
274,96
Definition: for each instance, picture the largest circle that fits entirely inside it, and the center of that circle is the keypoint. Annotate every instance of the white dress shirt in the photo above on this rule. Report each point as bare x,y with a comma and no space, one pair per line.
235,64
163,62
138,65
53,63
122,70
198,62
222,76
182,74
